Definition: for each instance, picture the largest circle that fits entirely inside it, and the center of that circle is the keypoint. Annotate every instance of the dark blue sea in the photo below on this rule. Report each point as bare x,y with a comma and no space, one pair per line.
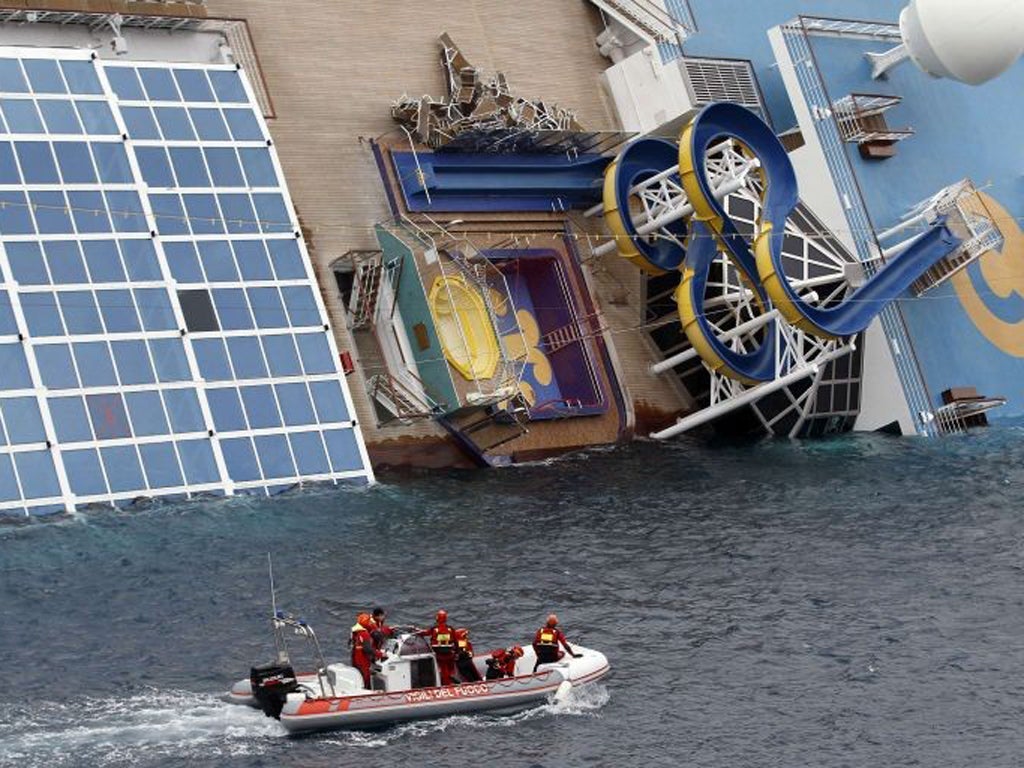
850,602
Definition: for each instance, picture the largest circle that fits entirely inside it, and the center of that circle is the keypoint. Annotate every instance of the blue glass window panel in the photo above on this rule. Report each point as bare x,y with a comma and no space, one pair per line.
155,166
184,262
112,162
8,483
8,168
259,168
240,459
132,360
226,409
103,260
37,163
55,366
126,212
193,85
75,162
213,359
184,410
147,413
274,455
51,211
12,79
159,84
198,462
15,367
244,125
301,304
90,212
169,358
41,314
170,216
140,259
203,214
232,309
174,123
44,76
189,167
140,123
272,212
296,406
70,419
97,118
343,450
239,214
15,218
60,116
252,259
281,354
118,310
81,77
329,401
155,308
218,262
210,125
27,265
287,259
21,115
315,353
65,261
123,469
24,424
309,453
125,83
38,475
266,305
246,357
95,366
80,313
84,472
260,406
7,322
227,84
224,167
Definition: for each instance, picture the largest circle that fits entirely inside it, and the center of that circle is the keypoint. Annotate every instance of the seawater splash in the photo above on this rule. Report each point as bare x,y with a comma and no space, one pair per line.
109,731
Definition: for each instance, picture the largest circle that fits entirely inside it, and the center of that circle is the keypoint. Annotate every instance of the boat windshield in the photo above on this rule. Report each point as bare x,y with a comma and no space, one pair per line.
413,645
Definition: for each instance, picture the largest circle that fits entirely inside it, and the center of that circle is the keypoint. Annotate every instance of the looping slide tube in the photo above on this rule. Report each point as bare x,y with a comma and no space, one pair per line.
639,161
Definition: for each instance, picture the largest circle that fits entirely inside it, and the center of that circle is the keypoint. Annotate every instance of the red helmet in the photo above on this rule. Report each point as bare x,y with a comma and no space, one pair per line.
461,633
364,620
517,651
552,620
442,616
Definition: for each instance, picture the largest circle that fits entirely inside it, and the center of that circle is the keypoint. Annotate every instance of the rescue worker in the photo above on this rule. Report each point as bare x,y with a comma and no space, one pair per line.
503,662
380,630
442,643
361,643
546,642
468,672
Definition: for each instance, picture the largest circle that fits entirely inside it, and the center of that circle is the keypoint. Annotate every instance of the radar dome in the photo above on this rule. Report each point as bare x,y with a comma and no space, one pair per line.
967,40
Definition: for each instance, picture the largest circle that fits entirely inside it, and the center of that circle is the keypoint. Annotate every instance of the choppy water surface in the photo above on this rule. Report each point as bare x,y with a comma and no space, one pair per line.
853,602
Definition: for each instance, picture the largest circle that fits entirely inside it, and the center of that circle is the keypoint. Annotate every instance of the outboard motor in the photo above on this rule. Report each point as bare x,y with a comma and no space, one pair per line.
271,685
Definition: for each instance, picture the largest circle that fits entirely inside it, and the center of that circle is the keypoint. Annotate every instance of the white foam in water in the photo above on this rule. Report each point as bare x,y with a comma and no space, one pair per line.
116,730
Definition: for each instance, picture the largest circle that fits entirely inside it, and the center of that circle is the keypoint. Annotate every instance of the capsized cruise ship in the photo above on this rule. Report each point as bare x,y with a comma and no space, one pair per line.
246,246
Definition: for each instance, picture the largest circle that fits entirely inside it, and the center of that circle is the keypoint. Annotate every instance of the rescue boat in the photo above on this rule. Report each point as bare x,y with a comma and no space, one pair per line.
404,685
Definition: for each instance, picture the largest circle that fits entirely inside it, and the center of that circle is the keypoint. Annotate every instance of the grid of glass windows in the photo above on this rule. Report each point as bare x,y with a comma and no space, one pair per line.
160,331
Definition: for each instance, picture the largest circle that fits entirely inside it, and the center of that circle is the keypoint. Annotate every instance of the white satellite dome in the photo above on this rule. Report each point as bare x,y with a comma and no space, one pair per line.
967,40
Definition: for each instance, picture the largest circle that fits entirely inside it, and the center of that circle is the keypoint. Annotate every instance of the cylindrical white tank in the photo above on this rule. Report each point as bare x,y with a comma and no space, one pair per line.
967,40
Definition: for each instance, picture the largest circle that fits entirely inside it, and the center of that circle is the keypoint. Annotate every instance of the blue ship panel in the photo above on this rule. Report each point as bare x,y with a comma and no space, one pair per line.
161,333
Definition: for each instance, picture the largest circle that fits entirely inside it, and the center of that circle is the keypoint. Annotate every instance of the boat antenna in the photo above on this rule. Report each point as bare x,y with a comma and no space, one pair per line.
279,640
273,593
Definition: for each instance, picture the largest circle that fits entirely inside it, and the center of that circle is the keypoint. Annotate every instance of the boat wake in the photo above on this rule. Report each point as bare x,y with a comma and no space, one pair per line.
131,730
583,701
